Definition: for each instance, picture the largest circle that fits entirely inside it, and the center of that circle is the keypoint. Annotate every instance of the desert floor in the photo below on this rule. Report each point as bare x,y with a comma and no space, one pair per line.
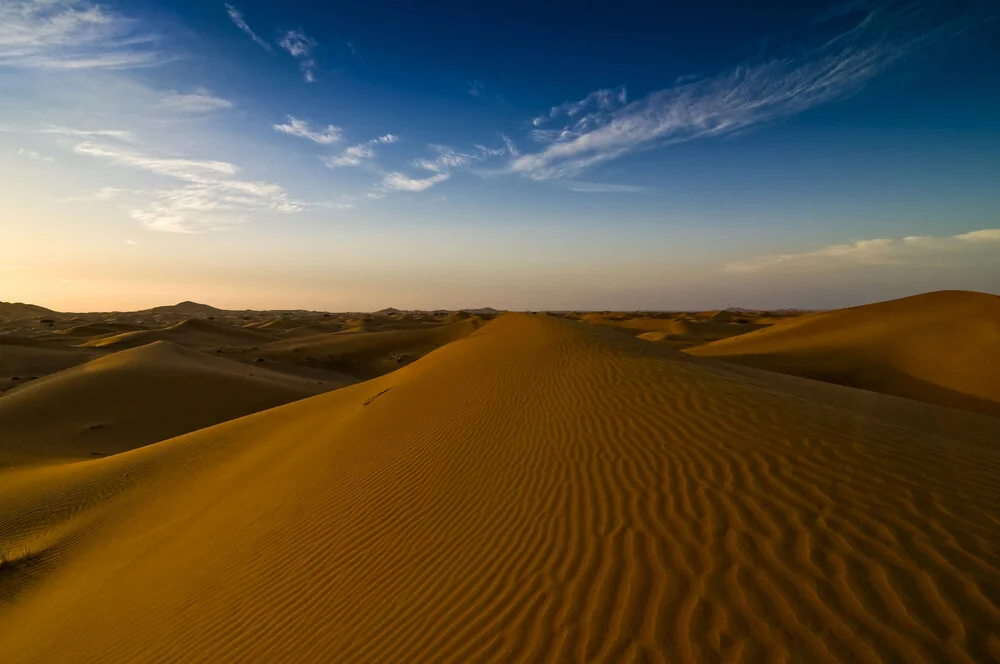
186,484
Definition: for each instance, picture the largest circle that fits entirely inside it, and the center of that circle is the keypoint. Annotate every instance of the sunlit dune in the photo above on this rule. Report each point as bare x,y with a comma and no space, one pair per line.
941,347
539,490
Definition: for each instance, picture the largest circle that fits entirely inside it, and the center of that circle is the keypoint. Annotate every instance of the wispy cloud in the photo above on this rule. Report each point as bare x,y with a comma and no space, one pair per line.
588,111
102,194
132,242
603,127
602,187
300,46
199,101
71,34
237,17
445,161
300,128
31,154
880,251
114,134
402,182
212,197
477,89
357,154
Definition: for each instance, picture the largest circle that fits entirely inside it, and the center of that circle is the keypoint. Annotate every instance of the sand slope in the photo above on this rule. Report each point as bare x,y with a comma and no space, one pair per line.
194,332
539,491
22,358
941,347
16,310
132,398
360,353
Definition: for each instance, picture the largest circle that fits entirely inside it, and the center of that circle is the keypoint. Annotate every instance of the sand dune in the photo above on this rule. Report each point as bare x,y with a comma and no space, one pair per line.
26,358
539,491
359,353
194,332
682,331
89,330
941,347
135,397
17,310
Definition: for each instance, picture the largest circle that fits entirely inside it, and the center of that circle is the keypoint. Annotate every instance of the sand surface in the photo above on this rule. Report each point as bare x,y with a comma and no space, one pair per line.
941,347
194,332
135,397
539,491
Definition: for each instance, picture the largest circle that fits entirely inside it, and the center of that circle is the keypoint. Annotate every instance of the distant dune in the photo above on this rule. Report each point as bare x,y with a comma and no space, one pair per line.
540,490
24,358
16,310
360,353
135,397
941,347
187,308
193,333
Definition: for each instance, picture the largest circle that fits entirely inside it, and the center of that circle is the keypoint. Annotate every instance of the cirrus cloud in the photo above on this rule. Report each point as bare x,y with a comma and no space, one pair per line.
910,250
72,34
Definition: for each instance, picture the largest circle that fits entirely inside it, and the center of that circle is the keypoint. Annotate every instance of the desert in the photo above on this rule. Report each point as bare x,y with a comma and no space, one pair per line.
471,486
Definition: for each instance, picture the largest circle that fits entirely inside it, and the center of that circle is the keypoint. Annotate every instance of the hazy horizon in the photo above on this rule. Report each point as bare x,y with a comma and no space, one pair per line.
636,157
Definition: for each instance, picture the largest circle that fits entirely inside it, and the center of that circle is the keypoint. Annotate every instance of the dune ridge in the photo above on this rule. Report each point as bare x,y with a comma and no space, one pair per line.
537,491
941,347
194,332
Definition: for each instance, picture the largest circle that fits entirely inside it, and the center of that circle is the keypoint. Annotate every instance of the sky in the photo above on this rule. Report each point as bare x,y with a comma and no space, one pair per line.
354,156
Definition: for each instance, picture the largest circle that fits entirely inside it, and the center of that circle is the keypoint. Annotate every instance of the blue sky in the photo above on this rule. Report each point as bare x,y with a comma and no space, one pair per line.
360,155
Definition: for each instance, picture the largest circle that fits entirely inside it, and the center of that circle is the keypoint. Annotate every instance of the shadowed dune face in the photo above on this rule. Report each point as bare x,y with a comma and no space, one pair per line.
941,347
538,491
193,332
23,359
132,398
360,353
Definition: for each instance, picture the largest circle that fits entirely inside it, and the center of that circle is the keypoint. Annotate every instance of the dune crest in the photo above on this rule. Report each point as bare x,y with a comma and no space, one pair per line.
540,490
193,332
941,347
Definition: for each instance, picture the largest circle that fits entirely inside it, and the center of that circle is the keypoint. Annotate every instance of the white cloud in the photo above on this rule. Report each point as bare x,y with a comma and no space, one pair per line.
107,193
71,34
211,198
116,134
356,154
401,182
985,235
746,96
602,187
132,242
447,160
880,251
199,101
596,103
301,46
511,147
237,18
31,154
300,128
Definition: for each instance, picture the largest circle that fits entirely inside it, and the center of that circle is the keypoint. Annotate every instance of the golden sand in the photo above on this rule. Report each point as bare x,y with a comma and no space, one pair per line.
539,491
